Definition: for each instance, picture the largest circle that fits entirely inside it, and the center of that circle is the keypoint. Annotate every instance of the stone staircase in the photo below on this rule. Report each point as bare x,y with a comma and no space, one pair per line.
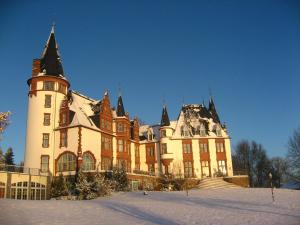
215,183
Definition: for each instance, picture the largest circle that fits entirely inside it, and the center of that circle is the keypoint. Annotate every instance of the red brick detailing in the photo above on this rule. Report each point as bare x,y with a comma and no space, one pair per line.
36,65
187,156
106,118
221,155
204,156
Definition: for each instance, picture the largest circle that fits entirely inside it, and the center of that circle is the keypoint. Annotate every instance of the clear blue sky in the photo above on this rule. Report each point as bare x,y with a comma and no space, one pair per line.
246,52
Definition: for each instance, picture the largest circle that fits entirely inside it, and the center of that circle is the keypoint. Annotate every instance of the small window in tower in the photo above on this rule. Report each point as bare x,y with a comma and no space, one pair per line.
164,149
62,88
47,101
45,141
218,131
202,130
46,119
48,86
120,127
163,133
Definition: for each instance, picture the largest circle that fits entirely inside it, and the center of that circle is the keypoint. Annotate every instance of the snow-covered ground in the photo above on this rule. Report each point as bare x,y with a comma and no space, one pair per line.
227,206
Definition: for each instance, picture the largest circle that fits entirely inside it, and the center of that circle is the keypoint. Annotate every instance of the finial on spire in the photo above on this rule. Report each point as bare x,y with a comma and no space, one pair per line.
53,27
119,90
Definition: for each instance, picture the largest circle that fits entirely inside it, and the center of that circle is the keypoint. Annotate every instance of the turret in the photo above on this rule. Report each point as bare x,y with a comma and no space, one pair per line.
47,89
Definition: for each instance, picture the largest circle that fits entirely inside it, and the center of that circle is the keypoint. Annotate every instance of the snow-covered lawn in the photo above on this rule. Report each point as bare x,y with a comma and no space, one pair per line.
227,206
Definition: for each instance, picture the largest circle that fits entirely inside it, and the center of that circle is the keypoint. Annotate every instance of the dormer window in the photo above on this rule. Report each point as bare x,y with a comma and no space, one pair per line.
150,136
202,130
120,127
184,131
218,131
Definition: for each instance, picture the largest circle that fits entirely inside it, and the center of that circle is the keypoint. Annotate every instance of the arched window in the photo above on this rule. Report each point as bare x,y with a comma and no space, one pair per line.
88,162
66,162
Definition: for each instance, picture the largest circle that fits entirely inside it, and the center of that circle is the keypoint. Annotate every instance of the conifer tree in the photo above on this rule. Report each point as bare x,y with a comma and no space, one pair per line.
58,187
9,157
120,178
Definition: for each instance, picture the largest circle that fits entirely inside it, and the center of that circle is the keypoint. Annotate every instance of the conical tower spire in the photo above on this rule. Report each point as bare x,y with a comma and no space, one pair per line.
120,107
213,111
50,59
164,118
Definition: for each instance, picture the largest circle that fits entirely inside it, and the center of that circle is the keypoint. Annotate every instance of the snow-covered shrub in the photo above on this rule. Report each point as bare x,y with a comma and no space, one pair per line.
90,186
120,180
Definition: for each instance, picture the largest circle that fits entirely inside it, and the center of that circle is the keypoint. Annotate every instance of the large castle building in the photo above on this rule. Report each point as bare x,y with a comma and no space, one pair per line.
67,131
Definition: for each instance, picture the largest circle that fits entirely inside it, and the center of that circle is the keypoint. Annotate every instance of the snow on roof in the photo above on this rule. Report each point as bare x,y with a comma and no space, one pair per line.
81,105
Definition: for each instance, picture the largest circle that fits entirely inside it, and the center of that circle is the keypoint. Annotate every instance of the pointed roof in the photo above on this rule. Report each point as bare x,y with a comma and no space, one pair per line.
213,111
164,118
50,59
120,107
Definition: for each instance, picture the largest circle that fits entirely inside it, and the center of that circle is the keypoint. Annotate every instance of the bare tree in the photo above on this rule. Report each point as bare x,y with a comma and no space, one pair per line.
4,121
241,159
279,170
293,155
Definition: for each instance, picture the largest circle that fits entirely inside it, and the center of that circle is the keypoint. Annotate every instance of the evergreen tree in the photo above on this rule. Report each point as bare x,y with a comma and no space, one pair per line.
120,178
9,157
84,188
101,185
58,187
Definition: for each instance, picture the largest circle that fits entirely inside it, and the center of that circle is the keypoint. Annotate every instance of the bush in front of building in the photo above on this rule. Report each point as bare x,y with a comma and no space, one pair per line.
120,180
58,187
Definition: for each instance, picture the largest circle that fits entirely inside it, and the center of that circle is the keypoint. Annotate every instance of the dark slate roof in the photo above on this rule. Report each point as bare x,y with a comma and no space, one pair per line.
50,60
96,119
120,107
204,113
164,118
213,111
71,115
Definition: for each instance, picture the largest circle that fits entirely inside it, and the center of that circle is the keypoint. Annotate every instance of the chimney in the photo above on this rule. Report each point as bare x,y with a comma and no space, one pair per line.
36,65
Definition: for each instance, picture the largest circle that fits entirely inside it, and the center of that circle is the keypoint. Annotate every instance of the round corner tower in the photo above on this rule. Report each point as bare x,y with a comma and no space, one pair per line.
47,89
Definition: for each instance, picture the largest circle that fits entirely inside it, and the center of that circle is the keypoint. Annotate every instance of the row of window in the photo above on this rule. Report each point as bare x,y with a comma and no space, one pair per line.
200,130
50,86
187,147
21,190
189,170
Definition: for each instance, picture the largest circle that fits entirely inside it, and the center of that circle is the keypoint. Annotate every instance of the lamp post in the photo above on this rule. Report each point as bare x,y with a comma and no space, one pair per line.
272,188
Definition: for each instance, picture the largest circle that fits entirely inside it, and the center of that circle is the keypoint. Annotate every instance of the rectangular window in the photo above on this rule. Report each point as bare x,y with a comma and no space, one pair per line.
205,168
187,148
120,127
44,163
222,166
62,88
45,141
120,145
163,133
47,101
122,164
203,147
151,168
164,148
106,163
151,151
188,169
48,86
220,146
63,138
106,143
46,119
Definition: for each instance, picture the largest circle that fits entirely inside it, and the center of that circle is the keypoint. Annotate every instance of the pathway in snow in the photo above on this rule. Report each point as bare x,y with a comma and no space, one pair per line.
227,206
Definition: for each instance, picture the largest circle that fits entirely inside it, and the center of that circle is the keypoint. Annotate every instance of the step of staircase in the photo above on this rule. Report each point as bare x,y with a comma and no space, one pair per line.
215,183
